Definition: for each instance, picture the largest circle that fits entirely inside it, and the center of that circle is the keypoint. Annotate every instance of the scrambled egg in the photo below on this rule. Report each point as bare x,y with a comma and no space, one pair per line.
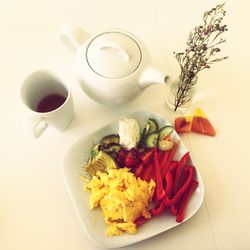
122,197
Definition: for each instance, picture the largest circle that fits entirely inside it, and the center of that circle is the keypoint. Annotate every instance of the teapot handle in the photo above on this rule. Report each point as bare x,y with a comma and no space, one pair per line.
73,37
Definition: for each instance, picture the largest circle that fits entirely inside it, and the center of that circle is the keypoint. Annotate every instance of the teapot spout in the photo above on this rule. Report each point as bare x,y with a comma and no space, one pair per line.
151,75
73,37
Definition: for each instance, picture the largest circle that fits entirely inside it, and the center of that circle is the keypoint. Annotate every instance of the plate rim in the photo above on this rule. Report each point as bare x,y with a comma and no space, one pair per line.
69,191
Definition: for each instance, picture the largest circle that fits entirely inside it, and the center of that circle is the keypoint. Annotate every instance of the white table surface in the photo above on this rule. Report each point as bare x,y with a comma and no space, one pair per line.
35,210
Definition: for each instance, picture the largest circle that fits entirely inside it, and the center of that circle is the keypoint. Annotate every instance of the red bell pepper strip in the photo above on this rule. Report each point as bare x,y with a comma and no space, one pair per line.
146,157
147,174
120,160
185,200
183,189
141,220
132,158
175,207
160,192
179,170
160,156
169,159
169,182
164,159
138,170
158,210
183,179
173,166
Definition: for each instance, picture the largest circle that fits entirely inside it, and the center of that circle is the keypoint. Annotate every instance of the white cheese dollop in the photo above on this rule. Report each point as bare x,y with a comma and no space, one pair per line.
129,132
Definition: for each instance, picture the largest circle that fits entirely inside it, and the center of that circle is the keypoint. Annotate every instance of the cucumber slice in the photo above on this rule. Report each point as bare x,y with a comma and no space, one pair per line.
152,126
151,140
164,131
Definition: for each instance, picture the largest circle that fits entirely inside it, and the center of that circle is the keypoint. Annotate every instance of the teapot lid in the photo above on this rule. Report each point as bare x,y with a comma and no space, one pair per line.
113,55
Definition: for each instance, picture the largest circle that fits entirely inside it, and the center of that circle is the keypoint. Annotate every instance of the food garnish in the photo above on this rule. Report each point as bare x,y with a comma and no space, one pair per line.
142,178
110,139
201,124
129,133
198,123
183,124
101,161
122,197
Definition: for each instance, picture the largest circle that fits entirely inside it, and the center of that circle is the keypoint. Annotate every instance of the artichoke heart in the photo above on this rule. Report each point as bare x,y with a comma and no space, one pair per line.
100,162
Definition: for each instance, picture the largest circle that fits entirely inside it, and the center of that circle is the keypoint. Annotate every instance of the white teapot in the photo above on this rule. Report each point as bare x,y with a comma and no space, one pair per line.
113,66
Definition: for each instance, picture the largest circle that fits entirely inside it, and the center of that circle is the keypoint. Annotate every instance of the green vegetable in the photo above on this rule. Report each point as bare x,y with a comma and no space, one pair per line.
100,162
151,140
112,147
110,139
152,126
164,131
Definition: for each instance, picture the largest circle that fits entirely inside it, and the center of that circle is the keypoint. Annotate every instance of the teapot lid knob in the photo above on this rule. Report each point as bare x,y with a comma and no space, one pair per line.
114,54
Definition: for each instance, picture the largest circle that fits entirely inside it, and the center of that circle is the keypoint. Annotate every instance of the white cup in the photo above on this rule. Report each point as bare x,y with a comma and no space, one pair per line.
48,101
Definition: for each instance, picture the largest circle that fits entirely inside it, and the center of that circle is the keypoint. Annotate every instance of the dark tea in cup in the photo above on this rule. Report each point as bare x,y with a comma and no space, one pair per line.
50,102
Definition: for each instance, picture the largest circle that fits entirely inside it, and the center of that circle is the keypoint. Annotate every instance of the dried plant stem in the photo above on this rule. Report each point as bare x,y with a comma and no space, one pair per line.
181,95
200,53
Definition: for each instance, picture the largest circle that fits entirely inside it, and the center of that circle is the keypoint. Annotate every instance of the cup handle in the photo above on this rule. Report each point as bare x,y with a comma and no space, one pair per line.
39,127
73,37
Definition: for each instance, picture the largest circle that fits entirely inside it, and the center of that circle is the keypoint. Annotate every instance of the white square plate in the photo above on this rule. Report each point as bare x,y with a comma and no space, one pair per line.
92,220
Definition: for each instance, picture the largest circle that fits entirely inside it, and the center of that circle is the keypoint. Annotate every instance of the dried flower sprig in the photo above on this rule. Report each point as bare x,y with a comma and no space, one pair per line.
200,53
